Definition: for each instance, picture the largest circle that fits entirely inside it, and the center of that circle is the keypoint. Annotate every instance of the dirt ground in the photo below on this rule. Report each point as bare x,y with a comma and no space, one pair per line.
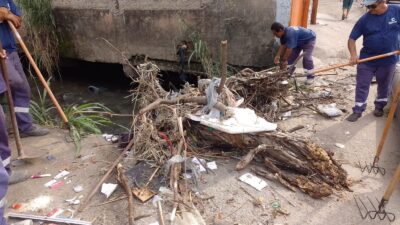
230,204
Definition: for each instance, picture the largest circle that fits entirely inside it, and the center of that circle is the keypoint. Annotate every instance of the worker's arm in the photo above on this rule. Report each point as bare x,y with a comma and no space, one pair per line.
278,56
353,51
286,55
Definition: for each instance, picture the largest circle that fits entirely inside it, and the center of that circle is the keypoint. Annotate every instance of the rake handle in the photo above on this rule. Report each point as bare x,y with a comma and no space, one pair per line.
393,108
10,100
390,189
358,62
39,74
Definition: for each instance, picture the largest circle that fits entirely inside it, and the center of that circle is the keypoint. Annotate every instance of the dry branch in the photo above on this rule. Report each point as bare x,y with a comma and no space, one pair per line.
124,183
291,160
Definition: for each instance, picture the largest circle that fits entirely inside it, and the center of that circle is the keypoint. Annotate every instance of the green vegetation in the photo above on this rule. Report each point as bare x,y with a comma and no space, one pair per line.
83,119
40,26
86,119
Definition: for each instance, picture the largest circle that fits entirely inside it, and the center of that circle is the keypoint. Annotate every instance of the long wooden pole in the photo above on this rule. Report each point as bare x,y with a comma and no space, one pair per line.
389,120
314,12
39,74
224,65
296,12
390,189
10,100
350,64
306,9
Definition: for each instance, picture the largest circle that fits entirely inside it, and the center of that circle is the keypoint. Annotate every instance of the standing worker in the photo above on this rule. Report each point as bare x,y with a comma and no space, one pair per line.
293,41
21,92
380,28
346,8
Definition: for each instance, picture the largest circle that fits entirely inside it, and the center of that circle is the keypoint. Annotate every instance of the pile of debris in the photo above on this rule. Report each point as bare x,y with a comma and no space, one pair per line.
170,126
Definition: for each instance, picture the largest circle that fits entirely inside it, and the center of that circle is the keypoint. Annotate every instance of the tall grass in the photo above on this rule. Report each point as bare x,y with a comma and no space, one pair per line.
41,33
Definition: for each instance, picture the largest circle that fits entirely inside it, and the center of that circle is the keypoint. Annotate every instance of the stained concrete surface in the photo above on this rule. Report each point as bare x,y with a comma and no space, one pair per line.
155,28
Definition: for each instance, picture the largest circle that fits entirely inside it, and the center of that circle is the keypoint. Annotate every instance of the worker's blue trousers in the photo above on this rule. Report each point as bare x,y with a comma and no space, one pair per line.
4,174
384,77
20,89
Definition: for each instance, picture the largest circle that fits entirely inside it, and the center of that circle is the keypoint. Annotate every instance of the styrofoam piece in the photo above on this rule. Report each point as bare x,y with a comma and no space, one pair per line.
108,189
212,165
243,121
253,181
61,174
48,184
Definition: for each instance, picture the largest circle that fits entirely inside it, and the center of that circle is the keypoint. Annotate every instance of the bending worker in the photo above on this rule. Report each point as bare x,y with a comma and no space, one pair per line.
293,41
380,28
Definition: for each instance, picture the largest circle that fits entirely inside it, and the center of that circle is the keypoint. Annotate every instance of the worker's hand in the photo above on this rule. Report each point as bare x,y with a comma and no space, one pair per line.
3,54
277,59
15,20
284,65
353,59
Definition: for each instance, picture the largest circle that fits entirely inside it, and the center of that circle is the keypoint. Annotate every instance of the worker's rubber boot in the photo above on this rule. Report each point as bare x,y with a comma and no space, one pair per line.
35,131
378,112
18,176
353,117
309,81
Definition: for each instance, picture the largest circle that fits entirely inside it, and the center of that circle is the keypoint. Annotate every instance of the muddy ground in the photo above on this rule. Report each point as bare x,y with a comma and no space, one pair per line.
231,205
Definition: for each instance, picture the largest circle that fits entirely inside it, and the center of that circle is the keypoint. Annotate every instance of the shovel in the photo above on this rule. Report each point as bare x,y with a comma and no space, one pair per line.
21,154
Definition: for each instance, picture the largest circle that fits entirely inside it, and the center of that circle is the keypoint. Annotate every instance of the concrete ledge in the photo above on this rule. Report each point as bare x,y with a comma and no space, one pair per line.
155,27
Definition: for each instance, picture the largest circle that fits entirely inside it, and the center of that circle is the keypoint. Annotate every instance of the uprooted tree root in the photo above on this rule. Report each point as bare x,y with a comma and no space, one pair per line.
295,162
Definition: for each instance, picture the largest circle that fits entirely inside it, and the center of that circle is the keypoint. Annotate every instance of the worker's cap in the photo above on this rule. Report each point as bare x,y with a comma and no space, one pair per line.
370,2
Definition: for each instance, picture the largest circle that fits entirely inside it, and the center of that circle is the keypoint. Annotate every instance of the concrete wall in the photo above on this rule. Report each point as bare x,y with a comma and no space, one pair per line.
155,27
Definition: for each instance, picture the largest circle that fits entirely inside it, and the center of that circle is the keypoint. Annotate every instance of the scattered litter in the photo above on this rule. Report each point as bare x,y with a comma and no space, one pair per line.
340,145
156,199
57,184
165,191
155,223
253,181
48,184
108,189
212,165
16,206
330,110
286,115
187,176
50,157
40,176
284,82
61,174
347,132
143,194
107,137
78,188
199,164
321,94
54,213
73,201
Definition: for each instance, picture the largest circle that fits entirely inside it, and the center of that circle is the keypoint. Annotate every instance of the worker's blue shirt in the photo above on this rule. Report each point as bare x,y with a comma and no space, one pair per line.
6,35
297,36
380,33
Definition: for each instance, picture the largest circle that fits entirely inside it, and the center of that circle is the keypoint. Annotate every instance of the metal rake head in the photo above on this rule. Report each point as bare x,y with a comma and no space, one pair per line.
373,211
372,168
